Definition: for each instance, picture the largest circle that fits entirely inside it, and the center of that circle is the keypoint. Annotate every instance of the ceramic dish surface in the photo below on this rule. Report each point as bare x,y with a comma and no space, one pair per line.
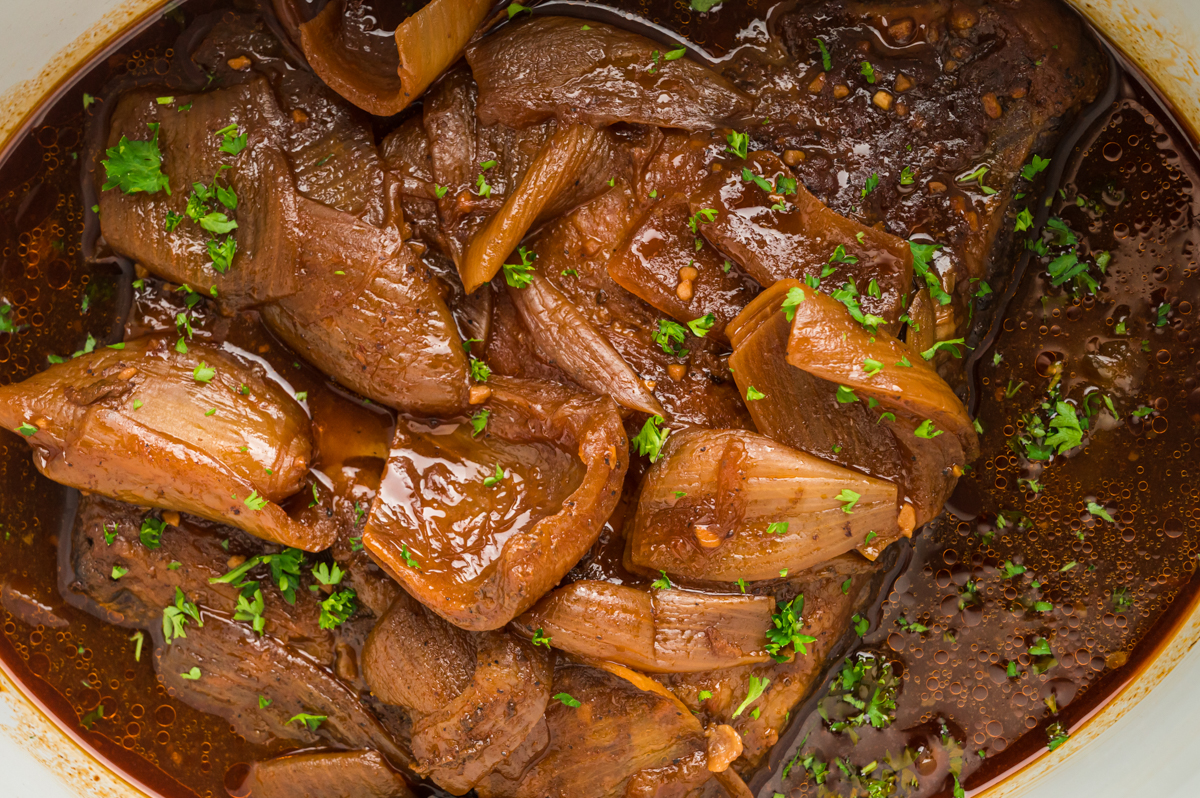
1142,742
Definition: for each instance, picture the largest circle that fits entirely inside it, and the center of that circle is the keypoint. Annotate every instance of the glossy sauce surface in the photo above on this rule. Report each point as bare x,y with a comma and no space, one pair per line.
1112,587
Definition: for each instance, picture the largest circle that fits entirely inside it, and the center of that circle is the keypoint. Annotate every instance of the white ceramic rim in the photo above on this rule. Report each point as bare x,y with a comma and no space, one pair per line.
1150,715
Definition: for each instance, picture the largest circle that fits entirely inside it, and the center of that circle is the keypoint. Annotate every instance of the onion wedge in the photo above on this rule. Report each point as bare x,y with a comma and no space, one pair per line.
724,505
557,167
565,338
657,631
201,432
346,55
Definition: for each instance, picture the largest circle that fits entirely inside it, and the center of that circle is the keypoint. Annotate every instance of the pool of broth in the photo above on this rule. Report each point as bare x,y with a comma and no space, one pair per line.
1136,173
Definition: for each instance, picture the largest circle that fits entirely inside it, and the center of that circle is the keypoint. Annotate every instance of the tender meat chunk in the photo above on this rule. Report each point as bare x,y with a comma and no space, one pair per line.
596,74
329,145
323,774
107,539
474,697
657,261
479,526
201,431
237,666
573,253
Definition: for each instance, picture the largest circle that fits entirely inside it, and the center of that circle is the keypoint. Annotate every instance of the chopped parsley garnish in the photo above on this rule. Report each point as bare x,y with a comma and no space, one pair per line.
871,367
848,499
479,370
566,699
753,394
846,395
517,275
203,373
792,301
670,336
907,176
739,144
479,422
250,607
338,608
922,255
927,431
1099,511
118,572
785,630
177,615
868,72
872,182
231,141
674,55
1034,167
540,638
136,166
255,502
977,177
151,532
409,560
495,478
1056,734
951,346
702,325
27,429
313,722
650,440
662,583
1011,569
1024,221
757,686
826,60
777,528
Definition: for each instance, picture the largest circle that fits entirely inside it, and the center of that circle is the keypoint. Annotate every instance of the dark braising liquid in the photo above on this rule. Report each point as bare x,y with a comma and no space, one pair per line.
1017,559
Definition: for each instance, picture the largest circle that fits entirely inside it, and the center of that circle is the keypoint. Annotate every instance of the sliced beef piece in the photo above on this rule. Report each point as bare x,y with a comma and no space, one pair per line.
607,738
827,609
478,526
966,84
201,431
467,155
238,666
323,774
596,74
286,663
187,553
152,227
474,698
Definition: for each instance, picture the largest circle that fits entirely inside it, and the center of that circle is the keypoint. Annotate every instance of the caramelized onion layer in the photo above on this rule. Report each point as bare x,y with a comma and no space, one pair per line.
479,528
724,505
359,66
201,432
565,338
660,631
